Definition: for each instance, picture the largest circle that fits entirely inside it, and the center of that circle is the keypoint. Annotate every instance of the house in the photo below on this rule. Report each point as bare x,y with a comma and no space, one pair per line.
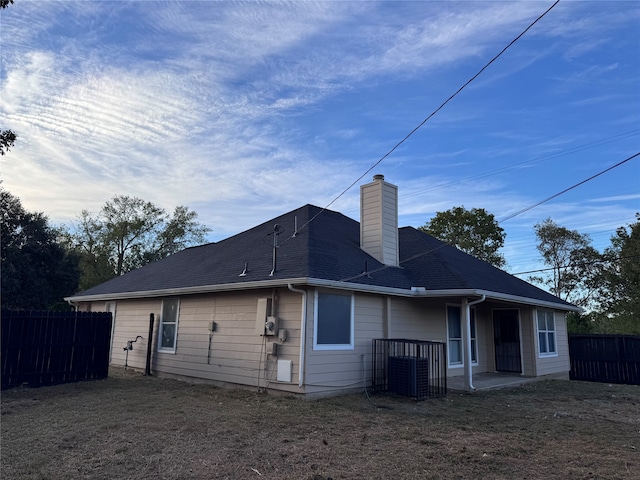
294,304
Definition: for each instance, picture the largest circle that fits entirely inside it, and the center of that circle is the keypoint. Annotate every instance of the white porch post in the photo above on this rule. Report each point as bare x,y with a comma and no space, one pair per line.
466,340
465,320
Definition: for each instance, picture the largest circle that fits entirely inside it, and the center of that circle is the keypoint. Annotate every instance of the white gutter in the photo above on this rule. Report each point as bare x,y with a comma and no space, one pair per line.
468,369
167,292
303,333
316,282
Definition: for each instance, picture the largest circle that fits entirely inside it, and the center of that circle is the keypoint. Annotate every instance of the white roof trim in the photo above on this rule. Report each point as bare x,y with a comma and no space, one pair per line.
318,282
167,292
442,293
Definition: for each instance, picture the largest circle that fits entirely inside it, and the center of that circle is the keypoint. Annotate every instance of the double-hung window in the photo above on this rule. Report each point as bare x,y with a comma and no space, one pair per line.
454,336
333,321
168,332
546,333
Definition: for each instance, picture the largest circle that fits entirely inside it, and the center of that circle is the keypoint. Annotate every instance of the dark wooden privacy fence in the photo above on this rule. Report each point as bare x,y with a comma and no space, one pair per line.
411,368
605,358
45,348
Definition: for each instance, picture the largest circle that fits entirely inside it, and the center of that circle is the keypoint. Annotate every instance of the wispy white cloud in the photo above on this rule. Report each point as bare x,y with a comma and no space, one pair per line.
235,108
616,198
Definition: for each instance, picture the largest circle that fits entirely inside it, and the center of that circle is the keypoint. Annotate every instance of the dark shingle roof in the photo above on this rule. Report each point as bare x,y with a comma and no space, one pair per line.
328,248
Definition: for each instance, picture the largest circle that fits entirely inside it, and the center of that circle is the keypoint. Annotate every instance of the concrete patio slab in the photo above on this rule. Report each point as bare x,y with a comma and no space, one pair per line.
490,381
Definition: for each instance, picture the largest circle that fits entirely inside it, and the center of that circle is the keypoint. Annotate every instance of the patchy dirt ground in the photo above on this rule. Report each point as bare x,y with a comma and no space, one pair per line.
133,427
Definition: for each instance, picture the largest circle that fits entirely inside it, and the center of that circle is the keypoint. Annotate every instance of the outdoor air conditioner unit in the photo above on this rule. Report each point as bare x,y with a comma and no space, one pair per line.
409,376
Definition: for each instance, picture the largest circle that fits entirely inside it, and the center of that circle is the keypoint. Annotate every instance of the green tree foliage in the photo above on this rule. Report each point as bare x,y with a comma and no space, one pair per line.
129,233
5,3
474,231
607,285
7,139
576,267
37,271
621,281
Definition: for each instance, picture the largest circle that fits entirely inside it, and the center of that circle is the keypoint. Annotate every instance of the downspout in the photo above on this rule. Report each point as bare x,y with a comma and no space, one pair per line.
467,357
73,304
303,333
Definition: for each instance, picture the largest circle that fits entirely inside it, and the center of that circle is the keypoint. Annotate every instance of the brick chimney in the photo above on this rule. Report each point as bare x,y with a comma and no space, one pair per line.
379,220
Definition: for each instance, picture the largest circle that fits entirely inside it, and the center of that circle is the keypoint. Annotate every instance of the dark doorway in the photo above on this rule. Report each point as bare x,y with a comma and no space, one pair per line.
506,336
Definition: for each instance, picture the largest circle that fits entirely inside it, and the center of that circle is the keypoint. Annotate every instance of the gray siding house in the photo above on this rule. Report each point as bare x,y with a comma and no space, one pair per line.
293,304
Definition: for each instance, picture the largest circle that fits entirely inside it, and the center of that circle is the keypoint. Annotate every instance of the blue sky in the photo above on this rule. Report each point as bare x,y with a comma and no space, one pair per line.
246,110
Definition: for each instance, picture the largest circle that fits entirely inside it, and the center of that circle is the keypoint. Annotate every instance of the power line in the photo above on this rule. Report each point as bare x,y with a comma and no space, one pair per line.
526,209
507,218
529,244
582,264
395,147
551,156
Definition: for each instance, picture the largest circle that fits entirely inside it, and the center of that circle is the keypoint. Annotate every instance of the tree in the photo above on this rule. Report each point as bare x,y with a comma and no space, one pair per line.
621,281
576,266
129,233
7,139
474,231
5,3
37,271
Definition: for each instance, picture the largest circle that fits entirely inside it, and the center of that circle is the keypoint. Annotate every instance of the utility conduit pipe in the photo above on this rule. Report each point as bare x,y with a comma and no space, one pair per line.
129,347
303,332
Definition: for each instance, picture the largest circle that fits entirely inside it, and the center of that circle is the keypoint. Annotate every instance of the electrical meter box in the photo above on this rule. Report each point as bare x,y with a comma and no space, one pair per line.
272,349
271,327
264,309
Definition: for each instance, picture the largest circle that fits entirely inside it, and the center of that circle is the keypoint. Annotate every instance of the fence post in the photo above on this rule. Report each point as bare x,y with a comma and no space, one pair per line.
147,370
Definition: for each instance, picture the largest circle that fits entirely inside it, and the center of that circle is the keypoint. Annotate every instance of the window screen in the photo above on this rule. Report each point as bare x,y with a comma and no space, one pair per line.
333,322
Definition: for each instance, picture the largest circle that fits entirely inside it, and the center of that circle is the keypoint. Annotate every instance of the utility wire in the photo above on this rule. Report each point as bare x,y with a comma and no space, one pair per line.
395,147
508,217
418,255
533,161
581,264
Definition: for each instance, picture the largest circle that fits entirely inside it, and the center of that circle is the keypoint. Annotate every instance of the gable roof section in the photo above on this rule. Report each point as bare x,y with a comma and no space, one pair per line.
326,250
436,265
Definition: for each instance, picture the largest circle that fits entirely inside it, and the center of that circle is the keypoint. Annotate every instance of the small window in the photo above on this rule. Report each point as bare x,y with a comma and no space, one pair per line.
454,334
546,333
333,318
168,331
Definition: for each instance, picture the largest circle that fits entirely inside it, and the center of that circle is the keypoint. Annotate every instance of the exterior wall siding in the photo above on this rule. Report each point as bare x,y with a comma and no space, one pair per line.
332,370
371,222
527,332
234,353
379,221
132,319
560,362
426,319
484,339
390,223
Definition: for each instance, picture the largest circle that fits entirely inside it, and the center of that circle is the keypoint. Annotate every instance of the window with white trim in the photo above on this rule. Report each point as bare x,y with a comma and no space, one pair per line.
333,321
546,333
454,336
168,331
